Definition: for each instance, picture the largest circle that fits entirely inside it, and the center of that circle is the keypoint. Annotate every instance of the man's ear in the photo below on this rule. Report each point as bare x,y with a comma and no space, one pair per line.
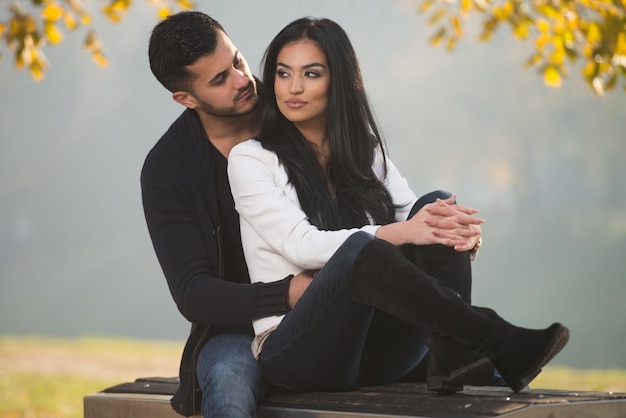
185,99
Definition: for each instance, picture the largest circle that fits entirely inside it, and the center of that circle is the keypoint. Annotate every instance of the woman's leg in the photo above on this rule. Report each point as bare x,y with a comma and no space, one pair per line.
322,343
382,277
392,350
450,365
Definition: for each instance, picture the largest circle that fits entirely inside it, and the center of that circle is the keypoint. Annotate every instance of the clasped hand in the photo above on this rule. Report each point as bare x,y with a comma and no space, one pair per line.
448,223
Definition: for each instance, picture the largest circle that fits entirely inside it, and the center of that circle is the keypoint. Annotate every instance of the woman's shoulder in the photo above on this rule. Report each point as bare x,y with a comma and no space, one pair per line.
247,146
251,148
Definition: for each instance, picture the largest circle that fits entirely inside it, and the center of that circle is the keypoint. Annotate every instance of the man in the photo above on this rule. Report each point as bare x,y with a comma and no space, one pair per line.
192,219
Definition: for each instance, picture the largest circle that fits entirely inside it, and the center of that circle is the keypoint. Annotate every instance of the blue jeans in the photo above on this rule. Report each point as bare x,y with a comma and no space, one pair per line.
329,342
229,375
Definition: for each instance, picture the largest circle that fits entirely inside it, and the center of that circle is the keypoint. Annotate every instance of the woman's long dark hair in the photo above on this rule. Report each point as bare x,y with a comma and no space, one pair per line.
352,132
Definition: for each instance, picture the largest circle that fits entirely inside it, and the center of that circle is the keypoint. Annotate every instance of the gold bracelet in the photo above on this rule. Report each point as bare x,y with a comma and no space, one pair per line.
477,246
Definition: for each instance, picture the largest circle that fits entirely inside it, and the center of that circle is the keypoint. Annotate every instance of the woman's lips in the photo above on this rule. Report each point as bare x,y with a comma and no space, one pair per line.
295,103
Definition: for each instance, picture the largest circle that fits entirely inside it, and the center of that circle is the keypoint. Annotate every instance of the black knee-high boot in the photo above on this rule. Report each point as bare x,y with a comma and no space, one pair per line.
451,364
382,277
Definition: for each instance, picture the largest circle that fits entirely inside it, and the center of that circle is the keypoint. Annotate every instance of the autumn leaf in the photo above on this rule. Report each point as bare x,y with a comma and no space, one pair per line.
551,76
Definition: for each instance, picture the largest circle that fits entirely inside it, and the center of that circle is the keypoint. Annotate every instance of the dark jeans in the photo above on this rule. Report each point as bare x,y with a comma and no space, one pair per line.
329,342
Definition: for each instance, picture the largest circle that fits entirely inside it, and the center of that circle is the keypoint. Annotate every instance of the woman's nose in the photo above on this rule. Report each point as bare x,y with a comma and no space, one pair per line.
296,86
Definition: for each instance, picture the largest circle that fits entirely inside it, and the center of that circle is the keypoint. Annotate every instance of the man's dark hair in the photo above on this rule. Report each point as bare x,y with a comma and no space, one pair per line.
178,41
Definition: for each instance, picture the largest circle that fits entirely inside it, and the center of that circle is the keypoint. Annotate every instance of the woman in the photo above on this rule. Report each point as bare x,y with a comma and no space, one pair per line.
316,192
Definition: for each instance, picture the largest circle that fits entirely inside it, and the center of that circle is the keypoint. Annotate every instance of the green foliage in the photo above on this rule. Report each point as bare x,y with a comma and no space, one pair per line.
32,25
590,33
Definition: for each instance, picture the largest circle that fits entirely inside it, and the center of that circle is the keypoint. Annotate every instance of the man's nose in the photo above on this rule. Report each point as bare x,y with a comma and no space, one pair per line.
241,79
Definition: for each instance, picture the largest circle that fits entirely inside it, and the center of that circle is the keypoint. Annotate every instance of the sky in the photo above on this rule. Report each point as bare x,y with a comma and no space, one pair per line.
544,166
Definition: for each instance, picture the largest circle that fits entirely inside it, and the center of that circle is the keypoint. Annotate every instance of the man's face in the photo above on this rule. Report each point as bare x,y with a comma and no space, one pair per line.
222,82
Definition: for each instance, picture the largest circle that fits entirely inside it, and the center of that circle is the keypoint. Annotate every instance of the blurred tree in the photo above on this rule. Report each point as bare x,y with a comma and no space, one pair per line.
564,32
31,25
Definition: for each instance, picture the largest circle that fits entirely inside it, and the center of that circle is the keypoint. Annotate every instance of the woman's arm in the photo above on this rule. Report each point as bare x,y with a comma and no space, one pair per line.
270,210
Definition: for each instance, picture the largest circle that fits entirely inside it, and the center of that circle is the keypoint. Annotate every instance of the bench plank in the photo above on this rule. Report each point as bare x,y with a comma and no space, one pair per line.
149,397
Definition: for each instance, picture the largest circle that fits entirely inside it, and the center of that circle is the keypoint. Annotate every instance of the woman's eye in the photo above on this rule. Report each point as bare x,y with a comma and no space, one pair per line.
281,73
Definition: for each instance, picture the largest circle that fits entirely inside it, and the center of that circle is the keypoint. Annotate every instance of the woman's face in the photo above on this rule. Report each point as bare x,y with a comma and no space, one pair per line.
301,85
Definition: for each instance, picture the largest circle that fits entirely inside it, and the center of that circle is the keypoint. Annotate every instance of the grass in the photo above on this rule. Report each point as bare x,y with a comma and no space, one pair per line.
48,377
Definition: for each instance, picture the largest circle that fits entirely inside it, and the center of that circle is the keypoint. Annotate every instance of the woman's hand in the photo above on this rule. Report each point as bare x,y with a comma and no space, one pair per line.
441,222
452,224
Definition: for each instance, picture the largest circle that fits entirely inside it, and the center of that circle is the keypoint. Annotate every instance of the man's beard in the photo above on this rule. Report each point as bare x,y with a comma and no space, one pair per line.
232,110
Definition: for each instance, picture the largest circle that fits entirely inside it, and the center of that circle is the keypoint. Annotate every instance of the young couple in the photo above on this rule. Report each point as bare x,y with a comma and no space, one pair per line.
353,278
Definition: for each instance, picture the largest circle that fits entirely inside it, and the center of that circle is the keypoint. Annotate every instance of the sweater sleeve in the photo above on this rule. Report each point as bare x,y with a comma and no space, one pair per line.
401,195
272,220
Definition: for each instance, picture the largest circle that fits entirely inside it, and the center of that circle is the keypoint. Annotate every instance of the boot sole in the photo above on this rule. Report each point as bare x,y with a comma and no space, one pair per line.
556,344
478,373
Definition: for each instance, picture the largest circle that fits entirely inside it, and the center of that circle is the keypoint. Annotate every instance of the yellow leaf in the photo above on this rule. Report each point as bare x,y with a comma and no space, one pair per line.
542,25
164,12
85,18
466,7
92,42
489,26
185,4
100,59
620,46
558,54
451,43
119,6
534,60
3,28
593,33
559,25
53,34
456,25
590,69
503,12
52,12
37,69
70,21
541,41
551,77
522,30
436,17
438,36
20,60
425,6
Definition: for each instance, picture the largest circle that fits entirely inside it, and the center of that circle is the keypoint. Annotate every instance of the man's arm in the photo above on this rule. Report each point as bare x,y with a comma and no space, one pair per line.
188,254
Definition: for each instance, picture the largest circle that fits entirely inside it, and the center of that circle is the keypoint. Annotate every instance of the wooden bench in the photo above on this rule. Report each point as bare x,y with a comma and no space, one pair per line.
149,397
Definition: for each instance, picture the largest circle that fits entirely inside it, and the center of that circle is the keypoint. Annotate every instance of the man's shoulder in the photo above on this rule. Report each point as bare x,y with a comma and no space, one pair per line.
176,146
183,134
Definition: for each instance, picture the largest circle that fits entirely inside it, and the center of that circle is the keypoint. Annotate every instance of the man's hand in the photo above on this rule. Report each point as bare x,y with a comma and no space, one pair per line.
298,285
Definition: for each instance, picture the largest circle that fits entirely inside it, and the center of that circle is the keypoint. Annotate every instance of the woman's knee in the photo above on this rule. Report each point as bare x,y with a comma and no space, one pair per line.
428,198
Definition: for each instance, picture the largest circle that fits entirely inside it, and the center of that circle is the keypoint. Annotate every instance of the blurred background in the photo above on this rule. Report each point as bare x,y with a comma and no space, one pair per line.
544,166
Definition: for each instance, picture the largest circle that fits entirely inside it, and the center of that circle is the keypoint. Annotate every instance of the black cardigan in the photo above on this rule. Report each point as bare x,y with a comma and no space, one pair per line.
182,213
